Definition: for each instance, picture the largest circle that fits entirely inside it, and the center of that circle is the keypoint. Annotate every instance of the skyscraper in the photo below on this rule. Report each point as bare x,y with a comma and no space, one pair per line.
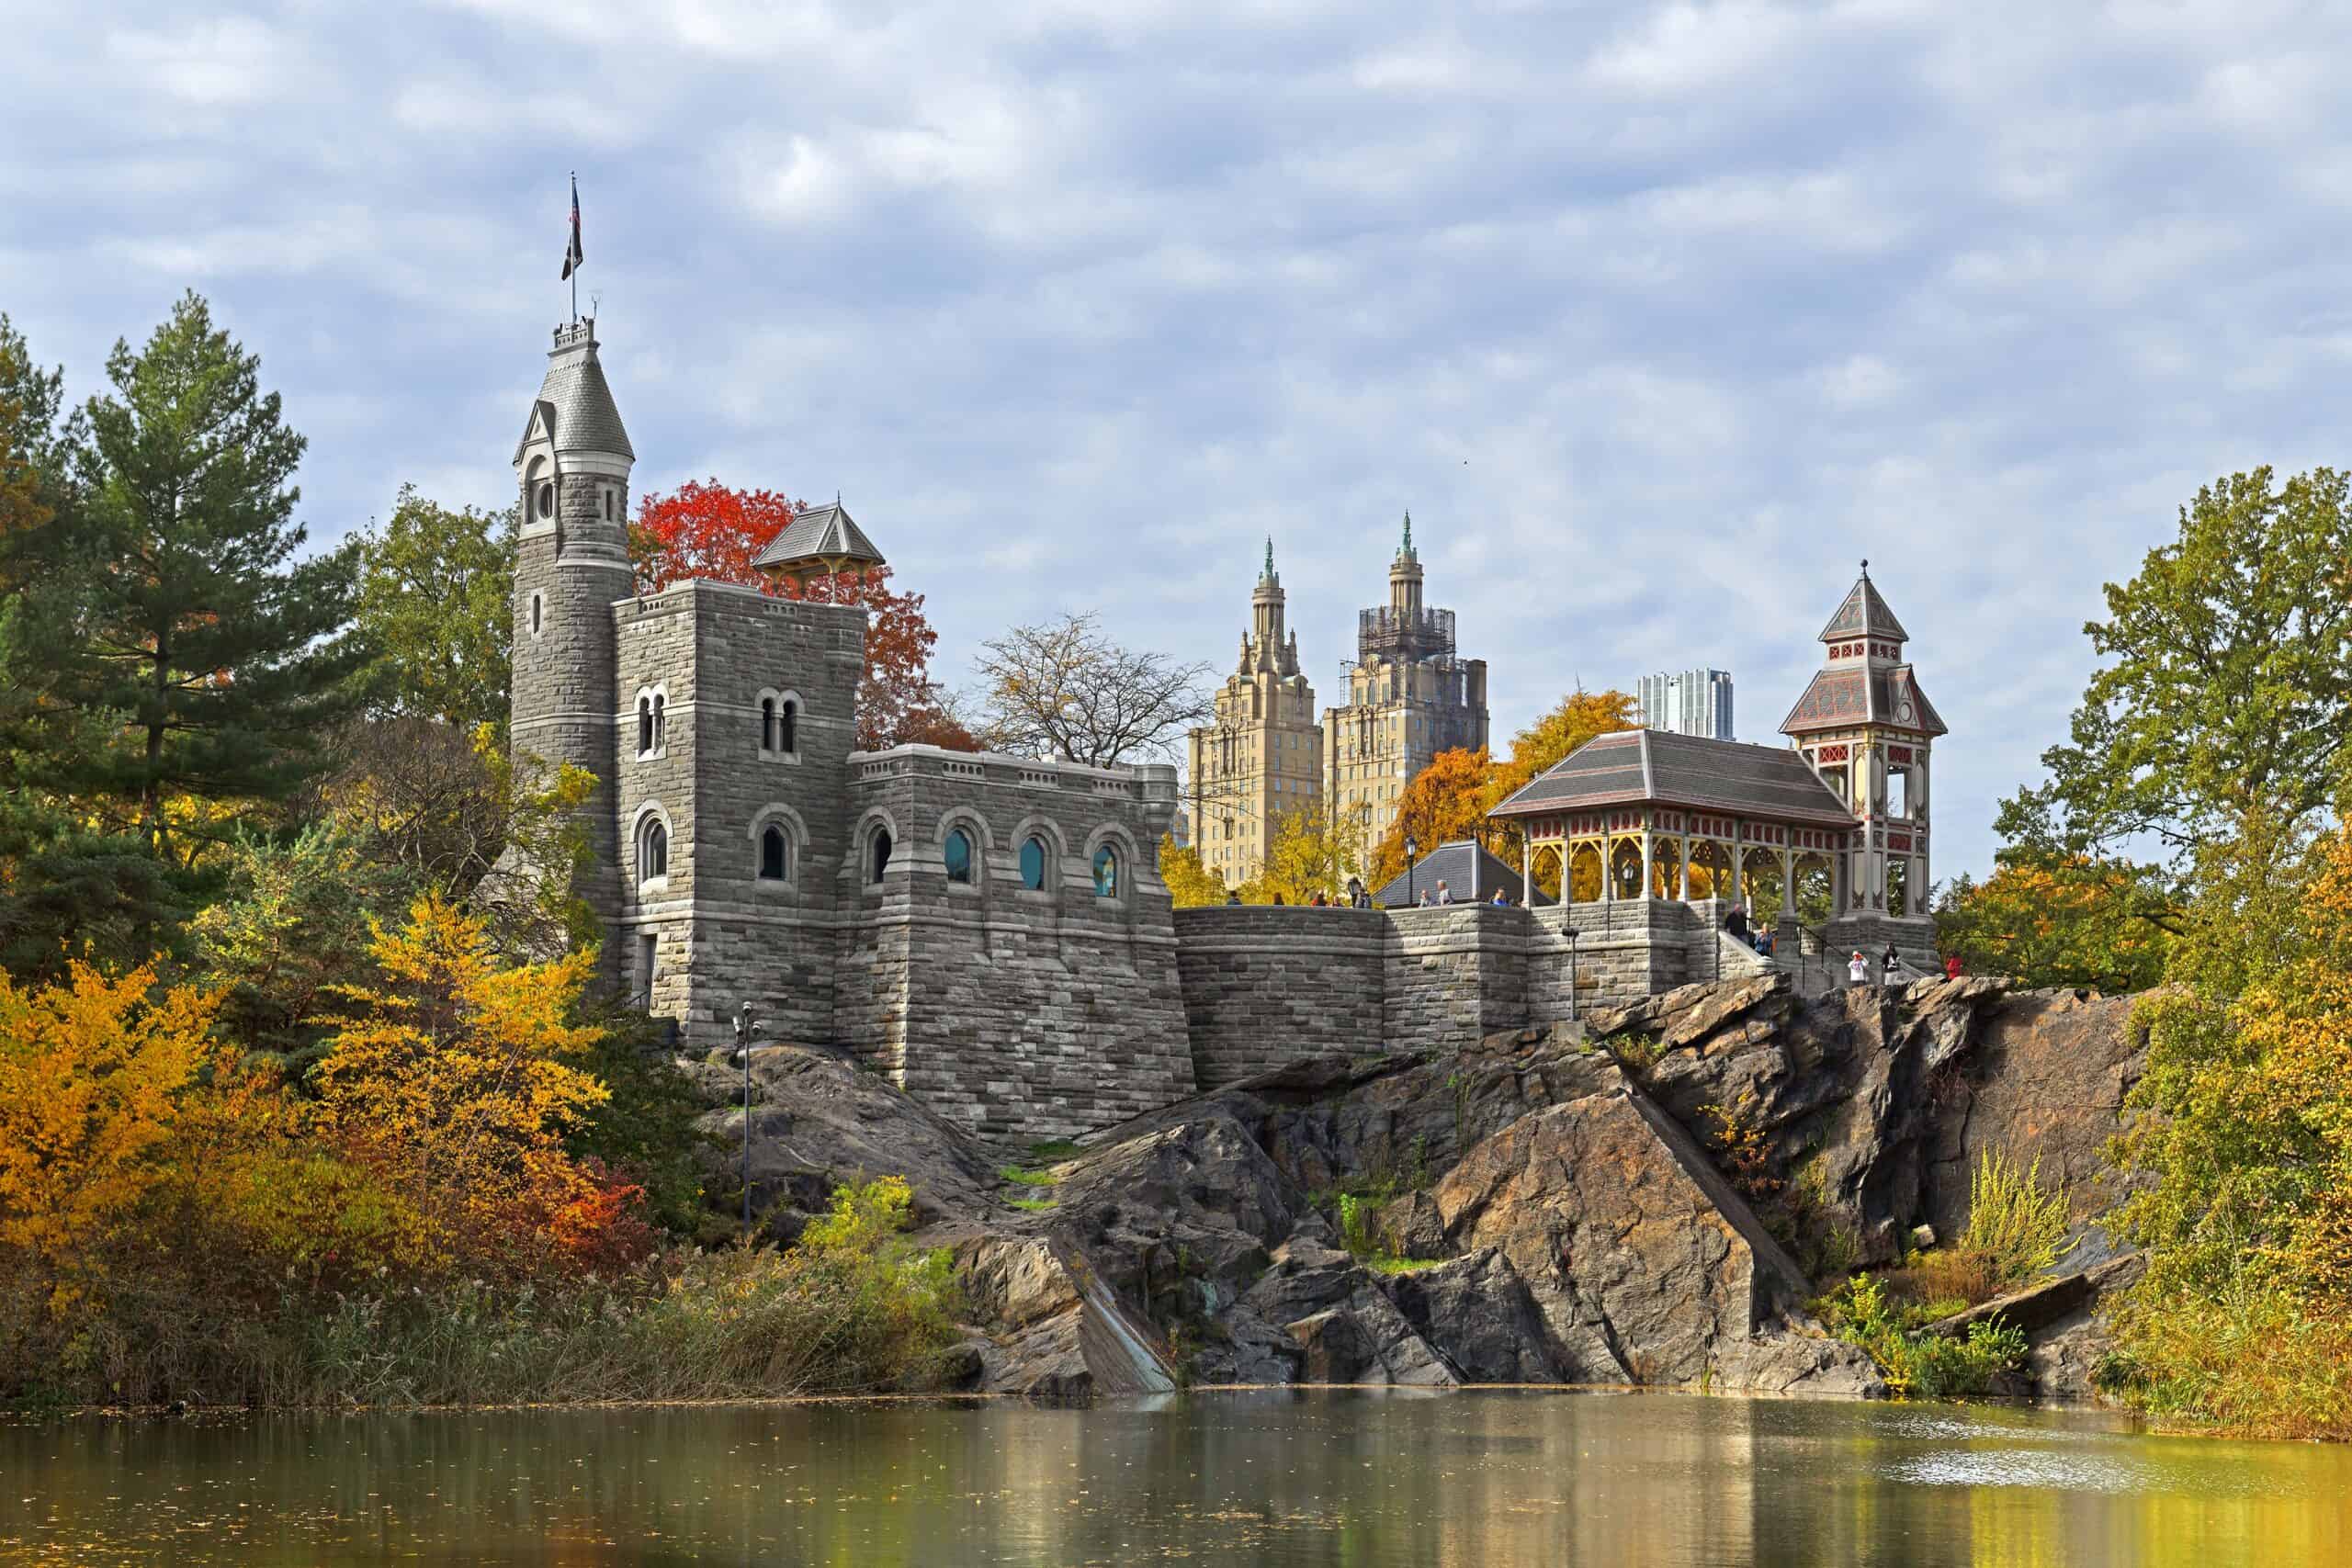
1688,702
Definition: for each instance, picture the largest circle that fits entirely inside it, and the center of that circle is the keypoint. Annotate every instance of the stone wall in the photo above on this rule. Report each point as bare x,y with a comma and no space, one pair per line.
724,935
1015,1011
1263,985
1260,980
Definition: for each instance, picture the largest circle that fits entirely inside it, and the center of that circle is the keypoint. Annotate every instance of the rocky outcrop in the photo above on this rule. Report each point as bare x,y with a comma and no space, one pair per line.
1550,1213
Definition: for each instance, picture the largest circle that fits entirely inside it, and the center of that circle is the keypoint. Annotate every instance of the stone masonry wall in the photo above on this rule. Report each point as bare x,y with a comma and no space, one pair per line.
723,934
1263,985
1258,980
1020,1012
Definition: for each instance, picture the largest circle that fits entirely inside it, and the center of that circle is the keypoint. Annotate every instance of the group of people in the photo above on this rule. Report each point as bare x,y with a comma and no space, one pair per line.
1760,937
1359,898
1890,963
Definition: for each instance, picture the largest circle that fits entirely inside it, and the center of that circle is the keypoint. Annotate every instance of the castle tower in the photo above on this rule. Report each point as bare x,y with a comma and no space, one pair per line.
1409,698
1262,756
1867,727
571,563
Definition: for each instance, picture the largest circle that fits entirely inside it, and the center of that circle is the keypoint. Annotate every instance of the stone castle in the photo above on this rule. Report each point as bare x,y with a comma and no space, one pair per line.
992,932
1409,698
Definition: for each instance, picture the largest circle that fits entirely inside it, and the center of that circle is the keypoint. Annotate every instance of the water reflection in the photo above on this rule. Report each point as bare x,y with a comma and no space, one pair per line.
1274,1478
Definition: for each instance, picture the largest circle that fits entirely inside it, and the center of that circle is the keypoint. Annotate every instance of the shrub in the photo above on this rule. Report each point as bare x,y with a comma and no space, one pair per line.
2015,1225
1639,1051
2254,1361
1928,1366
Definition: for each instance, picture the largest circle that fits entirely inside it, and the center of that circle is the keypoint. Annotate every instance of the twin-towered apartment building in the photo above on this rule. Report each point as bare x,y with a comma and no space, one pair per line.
1410,695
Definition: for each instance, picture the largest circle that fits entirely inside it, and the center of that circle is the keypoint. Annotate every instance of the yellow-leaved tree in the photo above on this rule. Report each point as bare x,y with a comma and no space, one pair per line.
1189,883
453,1076
1308,851
92,1072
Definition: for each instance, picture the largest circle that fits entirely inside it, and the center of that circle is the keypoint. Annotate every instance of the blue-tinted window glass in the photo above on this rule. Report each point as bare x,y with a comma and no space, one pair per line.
1106,873
1033,863
958,856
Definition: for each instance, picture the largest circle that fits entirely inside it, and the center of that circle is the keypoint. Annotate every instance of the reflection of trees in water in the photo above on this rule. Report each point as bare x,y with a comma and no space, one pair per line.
1459,1481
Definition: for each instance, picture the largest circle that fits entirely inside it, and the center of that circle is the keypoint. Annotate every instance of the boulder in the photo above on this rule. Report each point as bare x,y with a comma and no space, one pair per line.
1475,1312
1638,1258
817,1122
1366,1340
1790,1361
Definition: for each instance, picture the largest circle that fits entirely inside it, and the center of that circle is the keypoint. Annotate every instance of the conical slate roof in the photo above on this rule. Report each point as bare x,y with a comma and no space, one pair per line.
1863,613
577,402
823,533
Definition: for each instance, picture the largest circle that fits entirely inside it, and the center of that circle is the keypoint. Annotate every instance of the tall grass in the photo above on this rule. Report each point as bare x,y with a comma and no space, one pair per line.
852,1307
2015,1225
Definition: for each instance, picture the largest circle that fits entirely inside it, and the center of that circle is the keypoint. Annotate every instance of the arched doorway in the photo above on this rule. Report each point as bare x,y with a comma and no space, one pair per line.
1584,875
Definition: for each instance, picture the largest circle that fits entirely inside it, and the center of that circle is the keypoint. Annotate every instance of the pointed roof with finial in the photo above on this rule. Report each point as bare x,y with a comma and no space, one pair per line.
574,412
1863,613
822,540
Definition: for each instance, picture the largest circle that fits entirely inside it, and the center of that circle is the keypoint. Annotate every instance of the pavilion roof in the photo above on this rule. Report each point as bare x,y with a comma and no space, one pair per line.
1840,698
1468,871
1651,767
1863,614
824,534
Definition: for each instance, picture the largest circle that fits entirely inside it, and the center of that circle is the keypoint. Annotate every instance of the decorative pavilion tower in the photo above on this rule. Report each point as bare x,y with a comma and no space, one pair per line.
1409,698
1263,754
1867,727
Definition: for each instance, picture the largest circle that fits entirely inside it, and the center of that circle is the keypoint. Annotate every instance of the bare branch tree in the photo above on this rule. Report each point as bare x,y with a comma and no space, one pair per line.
1063,689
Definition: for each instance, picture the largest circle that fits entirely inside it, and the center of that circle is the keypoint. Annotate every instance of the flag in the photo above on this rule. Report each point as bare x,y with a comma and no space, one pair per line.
571,254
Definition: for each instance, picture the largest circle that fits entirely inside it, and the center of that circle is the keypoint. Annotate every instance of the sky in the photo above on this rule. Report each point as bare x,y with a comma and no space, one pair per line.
1658,318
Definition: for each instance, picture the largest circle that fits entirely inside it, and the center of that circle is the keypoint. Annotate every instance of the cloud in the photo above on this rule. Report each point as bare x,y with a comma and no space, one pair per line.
1658,316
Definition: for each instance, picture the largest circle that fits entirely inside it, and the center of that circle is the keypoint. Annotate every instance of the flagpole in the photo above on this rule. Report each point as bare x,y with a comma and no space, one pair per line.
575,269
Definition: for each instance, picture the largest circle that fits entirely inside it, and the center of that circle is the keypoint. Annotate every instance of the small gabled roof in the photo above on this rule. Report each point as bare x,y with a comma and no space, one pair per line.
1640,767
576,403
1469,873
823,533
1863,613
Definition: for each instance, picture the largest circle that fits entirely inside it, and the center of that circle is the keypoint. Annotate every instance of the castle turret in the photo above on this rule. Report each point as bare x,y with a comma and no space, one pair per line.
571,563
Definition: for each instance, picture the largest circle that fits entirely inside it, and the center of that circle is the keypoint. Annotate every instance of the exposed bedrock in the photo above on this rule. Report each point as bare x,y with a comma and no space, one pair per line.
1526,1209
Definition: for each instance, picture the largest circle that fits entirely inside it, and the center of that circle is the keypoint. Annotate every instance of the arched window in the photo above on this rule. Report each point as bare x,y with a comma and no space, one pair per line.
772,853
957,853
767,724
1106,873
661,721
789,740
538,601
881,856
547,500
652,850
644,724
1033,865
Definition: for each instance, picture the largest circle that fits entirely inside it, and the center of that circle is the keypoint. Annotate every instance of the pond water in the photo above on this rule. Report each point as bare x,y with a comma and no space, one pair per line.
1336,1477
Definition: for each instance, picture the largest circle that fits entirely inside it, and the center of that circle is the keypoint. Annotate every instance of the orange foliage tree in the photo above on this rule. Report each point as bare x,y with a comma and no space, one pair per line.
2054,919
456,1077
711,530
1450,799
91,1077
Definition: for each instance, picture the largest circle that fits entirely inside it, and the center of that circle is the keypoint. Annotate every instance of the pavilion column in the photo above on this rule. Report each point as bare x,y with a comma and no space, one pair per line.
1739,873
1682,868
1608,869
1649,868
1527,868
1788,883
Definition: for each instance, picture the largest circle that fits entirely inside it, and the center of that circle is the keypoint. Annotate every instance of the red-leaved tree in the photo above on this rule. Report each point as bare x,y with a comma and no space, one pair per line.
710,530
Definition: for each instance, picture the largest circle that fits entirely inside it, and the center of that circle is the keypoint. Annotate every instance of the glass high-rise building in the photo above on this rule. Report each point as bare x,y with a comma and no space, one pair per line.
1688,702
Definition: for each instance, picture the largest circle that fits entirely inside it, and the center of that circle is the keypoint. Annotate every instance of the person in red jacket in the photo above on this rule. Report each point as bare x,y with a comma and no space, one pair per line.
1951,967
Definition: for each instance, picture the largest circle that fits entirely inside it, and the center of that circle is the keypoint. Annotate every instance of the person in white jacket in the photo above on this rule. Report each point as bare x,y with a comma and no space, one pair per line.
1858,971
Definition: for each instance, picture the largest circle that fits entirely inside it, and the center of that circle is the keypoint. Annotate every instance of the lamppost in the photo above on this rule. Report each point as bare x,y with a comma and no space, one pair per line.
1572,969
746,1029
1412,852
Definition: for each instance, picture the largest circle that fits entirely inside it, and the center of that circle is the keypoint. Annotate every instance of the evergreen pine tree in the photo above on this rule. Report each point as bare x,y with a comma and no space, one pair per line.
217,656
